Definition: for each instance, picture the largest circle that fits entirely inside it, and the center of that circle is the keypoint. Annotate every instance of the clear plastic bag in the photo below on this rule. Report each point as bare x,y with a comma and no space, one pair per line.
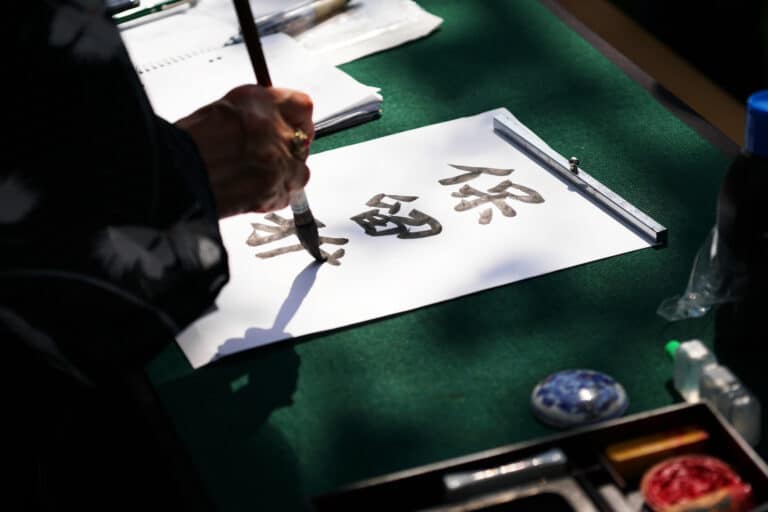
716,277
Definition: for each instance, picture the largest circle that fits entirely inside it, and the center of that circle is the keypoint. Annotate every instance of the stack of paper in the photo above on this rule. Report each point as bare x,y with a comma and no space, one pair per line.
178,87
363,28
184,61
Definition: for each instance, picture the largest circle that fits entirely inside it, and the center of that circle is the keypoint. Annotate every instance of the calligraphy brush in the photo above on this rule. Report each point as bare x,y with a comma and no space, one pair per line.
306,227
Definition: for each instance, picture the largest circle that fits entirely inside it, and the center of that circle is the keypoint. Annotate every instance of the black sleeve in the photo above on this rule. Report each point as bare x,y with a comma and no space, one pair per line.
107,220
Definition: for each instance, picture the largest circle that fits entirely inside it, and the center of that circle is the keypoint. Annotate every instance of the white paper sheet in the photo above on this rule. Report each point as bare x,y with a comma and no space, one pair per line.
365,27
268,300
179,88
188,30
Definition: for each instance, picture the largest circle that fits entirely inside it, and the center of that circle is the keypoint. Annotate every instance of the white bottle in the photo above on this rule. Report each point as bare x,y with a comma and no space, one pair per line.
733,401
690,358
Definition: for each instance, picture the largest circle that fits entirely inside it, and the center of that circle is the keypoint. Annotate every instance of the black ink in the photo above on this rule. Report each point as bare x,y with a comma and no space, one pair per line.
333,259
374,222
277,252
372,219
496,195
375,201
531,196
284,228
497,200
472,173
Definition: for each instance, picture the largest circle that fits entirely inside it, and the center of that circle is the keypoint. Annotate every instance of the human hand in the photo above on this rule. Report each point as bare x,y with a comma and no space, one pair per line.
246,140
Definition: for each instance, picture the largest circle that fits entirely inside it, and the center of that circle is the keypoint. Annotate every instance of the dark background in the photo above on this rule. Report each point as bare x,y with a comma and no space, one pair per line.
727,40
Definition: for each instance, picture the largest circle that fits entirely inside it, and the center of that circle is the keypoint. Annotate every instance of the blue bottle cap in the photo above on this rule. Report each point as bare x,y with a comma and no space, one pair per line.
757,124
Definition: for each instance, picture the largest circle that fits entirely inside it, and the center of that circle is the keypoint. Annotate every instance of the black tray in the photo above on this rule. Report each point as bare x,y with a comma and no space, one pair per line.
422,487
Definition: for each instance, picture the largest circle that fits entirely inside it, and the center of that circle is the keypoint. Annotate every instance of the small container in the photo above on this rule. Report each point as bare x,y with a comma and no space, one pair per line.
689,357
746,416
733,400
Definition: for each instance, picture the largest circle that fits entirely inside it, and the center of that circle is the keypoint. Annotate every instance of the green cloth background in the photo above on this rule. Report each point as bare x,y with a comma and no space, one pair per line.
271,427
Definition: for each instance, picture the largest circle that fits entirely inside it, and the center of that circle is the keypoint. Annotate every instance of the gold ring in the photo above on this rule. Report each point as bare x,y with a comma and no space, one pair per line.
300,144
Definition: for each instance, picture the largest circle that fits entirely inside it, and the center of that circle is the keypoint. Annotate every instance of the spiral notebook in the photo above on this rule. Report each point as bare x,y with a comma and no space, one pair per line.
179,84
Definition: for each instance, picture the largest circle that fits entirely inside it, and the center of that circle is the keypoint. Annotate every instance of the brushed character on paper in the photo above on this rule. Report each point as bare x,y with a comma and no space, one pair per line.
383,221
496,195
282,228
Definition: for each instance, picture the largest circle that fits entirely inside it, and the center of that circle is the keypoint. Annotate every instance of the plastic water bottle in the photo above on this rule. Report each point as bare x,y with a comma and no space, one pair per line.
698,376
690,357
742,231
732,400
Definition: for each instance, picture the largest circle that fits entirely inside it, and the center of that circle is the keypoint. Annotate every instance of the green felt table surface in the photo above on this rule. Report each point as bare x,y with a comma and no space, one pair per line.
271,427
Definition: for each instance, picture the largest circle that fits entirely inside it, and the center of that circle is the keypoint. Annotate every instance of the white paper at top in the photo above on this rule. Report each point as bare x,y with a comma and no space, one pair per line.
363,28
268,300
366,27
184,30
179,88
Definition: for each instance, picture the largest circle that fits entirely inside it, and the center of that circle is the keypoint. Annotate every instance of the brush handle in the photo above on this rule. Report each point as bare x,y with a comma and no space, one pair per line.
299,203
252,42
306,227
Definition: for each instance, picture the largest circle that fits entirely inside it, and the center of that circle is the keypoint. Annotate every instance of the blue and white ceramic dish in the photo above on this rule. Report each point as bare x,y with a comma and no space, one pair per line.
576,397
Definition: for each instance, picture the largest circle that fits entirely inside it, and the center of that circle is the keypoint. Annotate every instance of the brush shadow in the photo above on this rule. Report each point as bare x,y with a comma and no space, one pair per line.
257,336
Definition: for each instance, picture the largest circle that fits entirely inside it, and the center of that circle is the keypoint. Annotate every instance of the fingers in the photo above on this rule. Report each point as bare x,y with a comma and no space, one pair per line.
247,142
296,108
275,112
299,178
256,191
